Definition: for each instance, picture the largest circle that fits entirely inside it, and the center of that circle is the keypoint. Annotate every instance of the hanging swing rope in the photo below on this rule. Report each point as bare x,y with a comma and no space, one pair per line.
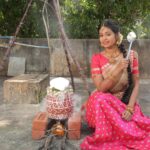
12,40
6,37
30,45
46,24
64,38
68,61
18,43
4,45
67,44
46,27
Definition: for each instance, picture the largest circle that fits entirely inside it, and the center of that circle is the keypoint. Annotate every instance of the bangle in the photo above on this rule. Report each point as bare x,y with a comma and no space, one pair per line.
130,109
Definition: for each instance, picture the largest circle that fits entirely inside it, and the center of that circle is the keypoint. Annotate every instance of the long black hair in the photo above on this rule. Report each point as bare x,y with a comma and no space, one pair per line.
111,24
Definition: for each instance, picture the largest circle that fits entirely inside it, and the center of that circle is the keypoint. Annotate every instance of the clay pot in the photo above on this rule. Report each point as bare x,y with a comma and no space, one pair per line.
58,107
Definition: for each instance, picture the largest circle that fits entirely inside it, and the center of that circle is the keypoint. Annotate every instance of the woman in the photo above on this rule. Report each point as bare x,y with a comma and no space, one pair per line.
112,109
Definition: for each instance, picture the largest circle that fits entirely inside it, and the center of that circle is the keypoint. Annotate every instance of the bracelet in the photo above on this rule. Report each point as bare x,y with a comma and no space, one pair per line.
131,112
130,109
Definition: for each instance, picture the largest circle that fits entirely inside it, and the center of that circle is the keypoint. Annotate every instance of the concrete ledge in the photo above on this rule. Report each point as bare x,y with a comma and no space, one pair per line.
25,88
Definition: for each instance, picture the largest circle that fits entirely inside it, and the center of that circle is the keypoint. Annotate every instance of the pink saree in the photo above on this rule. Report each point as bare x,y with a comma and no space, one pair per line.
104,110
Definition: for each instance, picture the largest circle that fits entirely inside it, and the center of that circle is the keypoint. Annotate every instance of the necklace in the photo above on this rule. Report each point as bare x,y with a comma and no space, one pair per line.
112,56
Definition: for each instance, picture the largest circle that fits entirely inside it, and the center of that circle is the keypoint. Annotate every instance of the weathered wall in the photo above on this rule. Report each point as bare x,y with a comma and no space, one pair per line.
38,60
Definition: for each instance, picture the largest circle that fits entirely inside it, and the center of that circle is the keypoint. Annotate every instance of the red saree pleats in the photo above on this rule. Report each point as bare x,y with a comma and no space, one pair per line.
104,113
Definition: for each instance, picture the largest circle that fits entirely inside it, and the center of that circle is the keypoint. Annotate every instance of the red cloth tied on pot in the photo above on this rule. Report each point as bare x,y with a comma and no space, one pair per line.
59,104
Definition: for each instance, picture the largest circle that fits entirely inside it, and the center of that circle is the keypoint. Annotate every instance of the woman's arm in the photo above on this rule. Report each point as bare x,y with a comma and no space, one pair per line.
135,74
135,91
101,84
127,114
105,85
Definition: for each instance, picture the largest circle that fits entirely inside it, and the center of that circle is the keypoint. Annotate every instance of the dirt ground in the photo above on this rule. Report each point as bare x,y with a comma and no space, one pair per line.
16,119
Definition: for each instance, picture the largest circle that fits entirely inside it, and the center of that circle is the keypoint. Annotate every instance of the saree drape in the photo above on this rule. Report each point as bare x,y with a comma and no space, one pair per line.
104,111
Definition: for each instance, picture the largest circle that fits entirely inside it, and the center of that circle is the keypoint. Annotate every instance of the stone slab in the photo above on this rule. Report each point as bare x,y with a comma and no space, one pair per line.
25,88
16,66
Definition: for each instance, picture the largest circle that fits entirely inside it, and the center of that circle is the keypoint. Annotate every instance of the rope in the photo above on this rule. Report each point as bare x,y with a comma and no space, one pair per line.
29,45
6,37
18,43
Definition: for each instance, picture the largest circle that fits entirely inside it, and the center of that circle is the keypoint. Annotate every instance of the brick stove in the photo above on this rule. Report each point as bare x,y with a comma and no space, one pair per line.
59,120
45,128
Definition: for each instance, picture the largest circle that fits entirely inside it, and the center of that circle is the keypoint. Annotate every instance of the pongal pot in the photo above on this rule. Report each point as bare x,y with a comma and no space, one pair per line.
59,99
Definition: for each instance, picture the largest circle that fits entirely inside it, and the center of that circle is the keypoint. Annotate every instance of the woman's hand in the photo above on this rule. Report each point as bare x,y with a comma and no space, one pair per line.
119,68
127,115
123,64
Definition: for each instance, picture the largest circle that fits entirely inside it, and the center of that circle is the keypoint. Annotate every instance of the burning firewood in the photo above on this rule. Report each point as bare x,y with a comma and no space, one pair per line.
56,138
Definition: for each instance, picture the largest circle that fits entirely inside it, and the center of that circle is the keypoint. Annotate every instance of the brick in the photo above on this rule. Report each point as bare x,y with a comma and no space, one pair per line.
74,122
74,126
74,135
40,121
37,134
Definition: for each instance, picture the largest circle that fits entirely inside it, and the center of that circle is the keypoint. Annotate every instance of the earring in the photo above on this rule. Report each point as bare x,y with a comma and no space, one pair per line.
120,38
